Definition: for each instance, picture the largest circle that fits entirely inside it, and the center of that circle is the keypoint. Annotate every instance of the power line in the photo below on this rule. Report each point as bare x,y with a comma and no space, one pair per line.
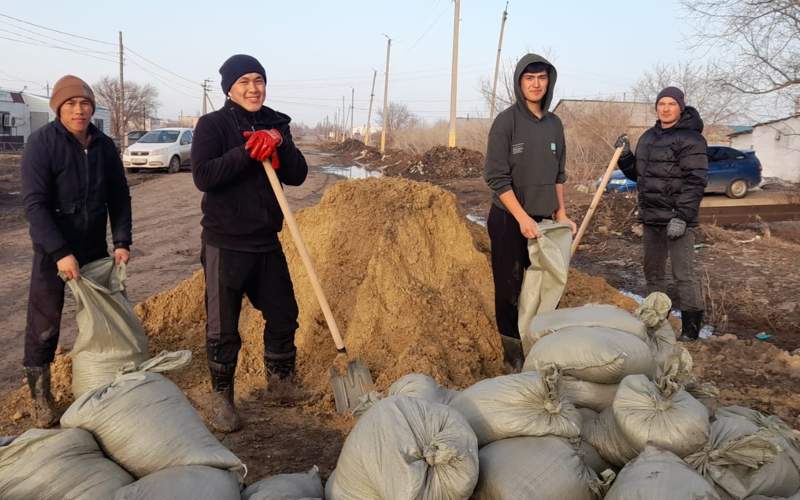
193,82
57,47
51,38
57,31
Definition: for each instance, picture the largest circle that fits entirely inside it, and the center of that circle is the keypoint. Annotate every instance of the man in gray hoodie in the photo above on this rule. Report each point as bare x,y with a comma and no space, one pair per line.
524,168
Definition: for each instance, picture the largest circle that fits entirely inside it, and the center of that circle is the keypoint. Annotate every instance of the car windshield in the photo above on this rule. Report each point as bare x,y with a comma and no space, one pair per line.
160,136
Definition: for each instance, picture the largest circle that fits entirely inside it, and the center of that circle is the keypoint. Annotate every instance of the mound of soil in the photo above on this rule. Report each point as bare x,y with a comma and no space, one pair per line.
441,162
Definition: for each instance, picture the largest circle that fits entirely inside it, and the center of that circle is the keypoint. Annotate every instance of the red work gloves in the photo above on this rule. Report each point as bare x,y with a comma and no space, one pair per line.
263,144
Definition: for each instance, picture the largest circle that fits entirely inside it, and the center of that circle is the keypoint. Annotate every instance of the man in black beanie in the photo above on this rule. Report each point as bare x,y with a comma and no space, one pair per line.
671,168
241,253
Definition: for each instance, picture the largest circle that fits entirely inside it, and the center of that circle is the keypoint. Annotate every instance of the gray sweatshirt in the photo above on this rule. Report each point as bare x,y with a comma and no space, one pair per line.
525,153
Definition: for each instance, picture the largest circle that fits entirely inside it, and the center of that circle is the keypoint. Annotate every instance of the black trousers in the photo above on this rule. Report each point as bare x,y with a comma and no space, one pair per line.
681,253
45,303
265,279
509,262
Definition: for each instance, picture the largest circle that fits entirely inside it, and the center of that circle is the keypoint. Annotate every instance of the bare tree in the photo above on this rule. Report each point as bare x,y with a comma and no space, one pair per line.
140,102
760,41
399,117
505,86
718,103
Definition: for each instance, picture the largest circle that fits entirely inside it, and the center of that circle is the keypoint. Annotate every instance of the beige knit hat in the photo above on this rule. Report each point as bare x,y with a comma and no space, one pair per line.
66,88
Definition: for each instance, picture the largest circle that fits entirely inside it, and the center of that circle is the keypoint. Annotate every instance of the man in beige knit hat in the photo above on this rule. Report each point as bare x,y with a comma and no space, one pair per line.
73,183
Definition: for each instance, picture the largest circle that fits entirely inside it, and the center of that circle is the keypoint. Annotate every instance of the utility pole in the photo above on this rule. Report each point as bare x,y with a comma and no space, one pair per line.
336,126
344,120
352,108
123,136
48,89
451,138
205,96
369,113
497,62
386,95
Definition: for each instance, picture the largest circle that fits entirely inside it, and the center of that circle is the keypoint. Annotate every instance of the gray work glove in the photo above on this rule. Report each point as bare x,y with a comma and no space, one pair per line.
624,143
676,228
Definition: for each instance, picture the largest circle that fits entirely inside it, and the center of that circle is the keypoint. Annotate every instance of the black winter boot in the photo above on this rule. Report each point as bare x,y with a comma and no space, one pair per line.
279,370
224,417
512,353
44,412
691,323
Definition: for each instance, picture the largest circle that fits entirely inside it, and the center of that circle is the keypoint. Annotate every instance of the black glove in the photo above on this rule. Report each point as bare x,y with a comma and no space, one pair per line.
624,143
676,228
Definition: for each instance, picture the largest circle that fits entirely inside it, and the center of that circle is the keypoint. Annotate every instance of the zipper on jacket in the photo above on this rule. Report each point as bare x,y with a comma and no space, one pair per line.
86,188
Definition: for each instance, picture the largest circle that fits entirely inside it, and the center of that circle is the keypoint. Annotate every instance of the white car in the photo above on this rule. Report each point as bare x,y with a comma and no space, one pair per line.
168,148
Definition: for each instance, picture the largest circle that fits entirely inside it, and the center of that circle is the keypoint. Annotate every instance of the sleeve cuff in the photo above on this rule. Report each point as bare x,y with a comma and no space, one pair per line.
125,245
60,253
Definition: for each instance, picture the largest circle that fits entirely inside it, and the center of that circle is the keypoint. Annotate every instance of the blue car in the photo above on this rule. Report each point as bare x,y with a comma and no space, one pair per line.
730,171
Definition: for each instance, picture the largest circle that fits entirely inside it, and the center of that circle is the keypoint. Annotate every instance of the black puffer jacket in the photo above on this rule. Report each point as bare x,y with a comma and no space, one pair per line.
71,193
670,168
240,211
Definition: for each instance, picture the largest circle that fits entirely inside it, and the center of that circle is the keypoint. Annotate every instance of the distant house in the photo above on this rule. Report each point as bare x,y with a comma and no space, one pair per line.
777,145
22,113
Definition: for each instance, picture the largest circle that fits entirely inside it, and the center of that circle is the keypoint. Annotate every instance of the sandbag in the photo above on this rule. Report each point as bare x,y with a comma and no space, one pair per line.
796,496
110,334
145,423
789,439
705,392
407,448
54,464
744,460
660,475
600,315
419,385
188,482
665,416
601,431
545,279
585,394
304,485
534,468
592,458
521,404
594,354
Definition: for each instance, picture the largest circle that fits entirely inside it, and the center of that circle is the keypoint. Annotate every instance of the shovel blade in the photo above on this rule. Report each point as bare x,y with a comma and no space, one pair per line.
348,387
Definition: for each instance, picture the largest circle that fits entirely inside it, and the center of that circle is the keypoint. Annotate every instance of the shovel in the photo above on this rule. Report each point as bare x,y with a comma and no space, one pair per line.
596,199
350,379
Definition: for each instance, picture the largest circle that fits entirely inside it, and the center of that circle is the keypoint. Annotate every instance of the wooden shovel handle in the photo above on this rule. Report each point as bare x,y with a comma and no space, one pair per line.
301,249
596,200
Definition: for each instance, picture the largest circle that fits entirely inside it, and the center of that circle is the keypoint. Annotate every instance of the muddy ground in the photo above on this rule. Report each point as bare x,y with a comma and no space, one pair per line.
281,438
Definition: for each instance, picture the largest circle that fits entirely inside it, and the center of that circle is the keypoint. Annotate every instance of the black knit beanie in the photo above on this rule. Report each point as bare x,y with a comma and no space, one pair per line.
236,66
675,93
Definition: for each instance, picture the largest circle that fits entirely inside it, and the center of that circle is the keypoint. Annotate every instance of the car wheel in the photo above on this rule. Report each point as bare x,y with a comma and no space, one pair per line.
737,189
174,165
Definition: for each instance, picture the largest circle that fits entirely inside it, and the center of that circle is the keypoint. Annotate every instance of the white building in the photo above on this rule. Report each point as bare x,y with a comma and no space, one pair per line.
777,145
22,113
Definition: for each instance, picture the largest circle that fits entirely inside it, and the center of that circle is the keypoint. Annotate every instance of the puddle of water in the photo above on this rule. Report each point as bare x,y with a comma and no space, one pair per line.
352,172
477,219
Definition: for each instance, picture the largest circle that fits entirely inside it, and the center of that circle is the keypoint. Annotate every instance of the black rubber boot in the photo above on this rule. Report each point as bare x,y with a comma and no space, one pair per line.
691,323
44,411
512,353
224,417
279,370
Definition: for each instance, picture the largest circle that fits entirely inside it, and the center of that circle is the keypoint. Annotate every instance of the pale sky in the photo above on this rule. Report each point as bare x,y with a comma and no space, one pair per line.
314,52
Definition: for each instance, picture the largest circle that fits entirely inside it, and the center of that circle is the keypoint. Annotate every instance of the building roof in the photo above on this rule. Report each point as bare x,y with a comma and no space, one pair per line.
747,130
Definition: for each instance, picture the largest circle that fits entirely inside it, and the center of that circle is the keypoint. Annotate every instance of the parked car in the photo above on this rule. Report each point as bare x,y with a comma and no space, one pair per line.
135,135
730,171
168,148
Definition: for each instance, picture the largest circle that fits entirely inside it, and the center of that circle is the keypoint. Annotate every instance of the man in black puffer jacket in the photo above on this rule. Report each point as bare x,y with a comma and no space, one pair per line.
241,253
670,168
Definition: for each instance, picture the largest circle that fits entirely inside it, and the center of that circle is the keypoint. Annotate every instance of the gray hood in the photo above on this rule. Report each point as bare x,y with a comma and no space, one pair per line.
548,97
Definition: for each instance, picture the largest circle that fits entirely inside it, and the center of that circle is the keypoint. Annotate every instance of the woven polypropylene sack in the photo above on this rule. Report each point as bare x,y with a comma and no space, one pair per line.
521,404
144,422
592,458
537,468
600,315
110,334
585,394
673,421
594,354
407,448
546,277
419,385
789,438
58,465
743,459
189,482
304,485
601,431
660,475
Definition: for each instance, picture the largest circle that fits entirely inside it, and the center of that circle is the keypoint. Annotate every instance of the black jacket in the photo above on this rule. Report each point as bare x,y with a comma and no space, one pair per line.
70,194
671,169
240,211
526,153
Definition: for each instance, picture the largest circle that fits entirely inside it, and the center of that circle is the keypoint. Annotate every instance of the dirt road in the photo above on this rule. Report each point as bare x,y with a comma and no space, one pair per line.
166,250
